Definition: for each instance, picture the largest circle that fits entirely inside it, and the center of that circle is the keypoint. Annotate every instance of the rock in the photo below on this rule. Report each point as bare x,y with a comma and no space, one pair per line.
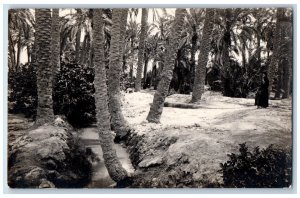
35,174
47,157
151,162
46,184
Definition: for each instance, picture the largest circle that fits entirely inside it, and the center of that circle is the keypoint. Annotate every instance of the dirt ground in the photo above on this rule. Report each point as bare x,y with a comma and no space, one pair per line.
202,138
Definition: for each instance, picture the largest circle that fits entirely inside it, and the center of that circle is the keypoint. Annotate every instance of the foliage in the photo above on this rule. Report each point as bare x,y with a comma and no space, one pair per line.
262,168
24,91
73,94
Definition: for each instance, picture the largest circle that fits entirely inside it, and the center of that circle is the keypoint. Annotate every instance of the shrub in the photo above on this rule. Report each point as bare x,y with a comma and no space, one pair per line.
262,168
74,94
24,91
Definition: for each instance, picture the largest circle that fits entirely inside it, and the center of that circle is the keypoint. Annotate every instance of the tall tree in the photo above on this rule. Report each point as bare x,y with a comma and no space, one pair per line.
167,73
78,36
118,122
287,70
113,165
44,70
141,49
199,81
55,43
276,45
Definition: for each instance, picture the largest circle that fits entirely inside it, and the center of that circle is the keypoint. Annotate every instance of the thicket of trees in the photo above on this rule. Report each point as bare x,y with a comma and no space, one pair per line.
81,61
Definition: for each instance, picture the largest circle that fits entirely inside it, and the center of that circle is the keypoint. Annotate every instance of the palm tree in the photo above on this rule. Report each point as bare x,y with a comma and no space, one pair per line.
167,73
276,45
21,26
44,70
78,36
199,81
118,122
113,165
141,49
287,70
55,43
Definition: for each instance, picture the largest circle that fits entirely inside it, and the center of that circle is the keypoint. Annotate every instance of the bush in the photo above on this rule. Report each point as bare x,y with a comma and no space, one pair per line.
262,168
74,94
24,91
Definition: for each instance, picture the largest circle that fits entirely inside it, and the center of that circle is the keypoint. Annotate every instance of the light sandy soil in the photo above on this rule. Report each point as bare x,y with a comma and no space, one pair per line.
206,135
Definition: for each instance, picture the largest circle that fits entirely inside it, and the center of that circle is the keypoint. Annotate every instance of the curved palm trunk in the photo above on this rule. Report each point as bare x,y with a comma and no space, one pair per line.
113,165
118,122
167,73
138,80
276,43
198,88
44,70
55,44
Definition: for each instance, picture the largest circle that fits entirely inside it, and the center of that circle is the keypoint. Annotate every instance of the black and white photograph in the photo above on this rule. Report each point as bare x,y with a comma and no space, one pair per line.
141,97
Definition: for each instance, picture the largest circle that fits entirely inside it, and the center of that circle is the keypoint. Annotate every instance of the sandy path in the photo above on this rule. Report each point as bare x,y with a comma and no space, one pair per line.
208,134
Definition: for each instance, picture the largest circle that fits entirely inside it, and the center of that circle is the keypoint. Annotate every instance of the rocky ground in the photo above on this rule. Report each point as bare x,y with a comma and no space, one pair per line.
187,147
45,157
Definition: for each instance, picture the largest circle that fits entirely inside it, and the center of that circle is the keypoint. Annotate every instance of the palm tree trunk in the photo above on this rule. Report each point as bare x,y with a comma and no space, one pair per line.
118,122
44,70
55,44
287,70
276,43
18,52
78,36
84,49
138,80
167,73
193,54
28,54
258,47
145,72
226,58
279,81
113,165
12,52
198,88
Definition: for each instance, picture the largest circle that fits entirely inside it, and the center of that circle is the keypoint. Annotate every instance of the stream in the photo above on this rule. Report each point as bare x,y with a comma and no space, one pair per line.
100,177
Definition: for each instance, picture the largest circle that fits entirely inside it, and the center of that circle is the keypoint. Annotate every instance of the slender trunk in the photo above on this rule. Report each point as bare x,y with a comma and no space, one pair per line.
55,44
279,81
226,58
123,34
145,72
28,54
141,50
18,52
78,36
193,54
198,88
118,122
258,47
113,165
276,42
287,68
84,49
167,73
44,70
12,52
131,72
